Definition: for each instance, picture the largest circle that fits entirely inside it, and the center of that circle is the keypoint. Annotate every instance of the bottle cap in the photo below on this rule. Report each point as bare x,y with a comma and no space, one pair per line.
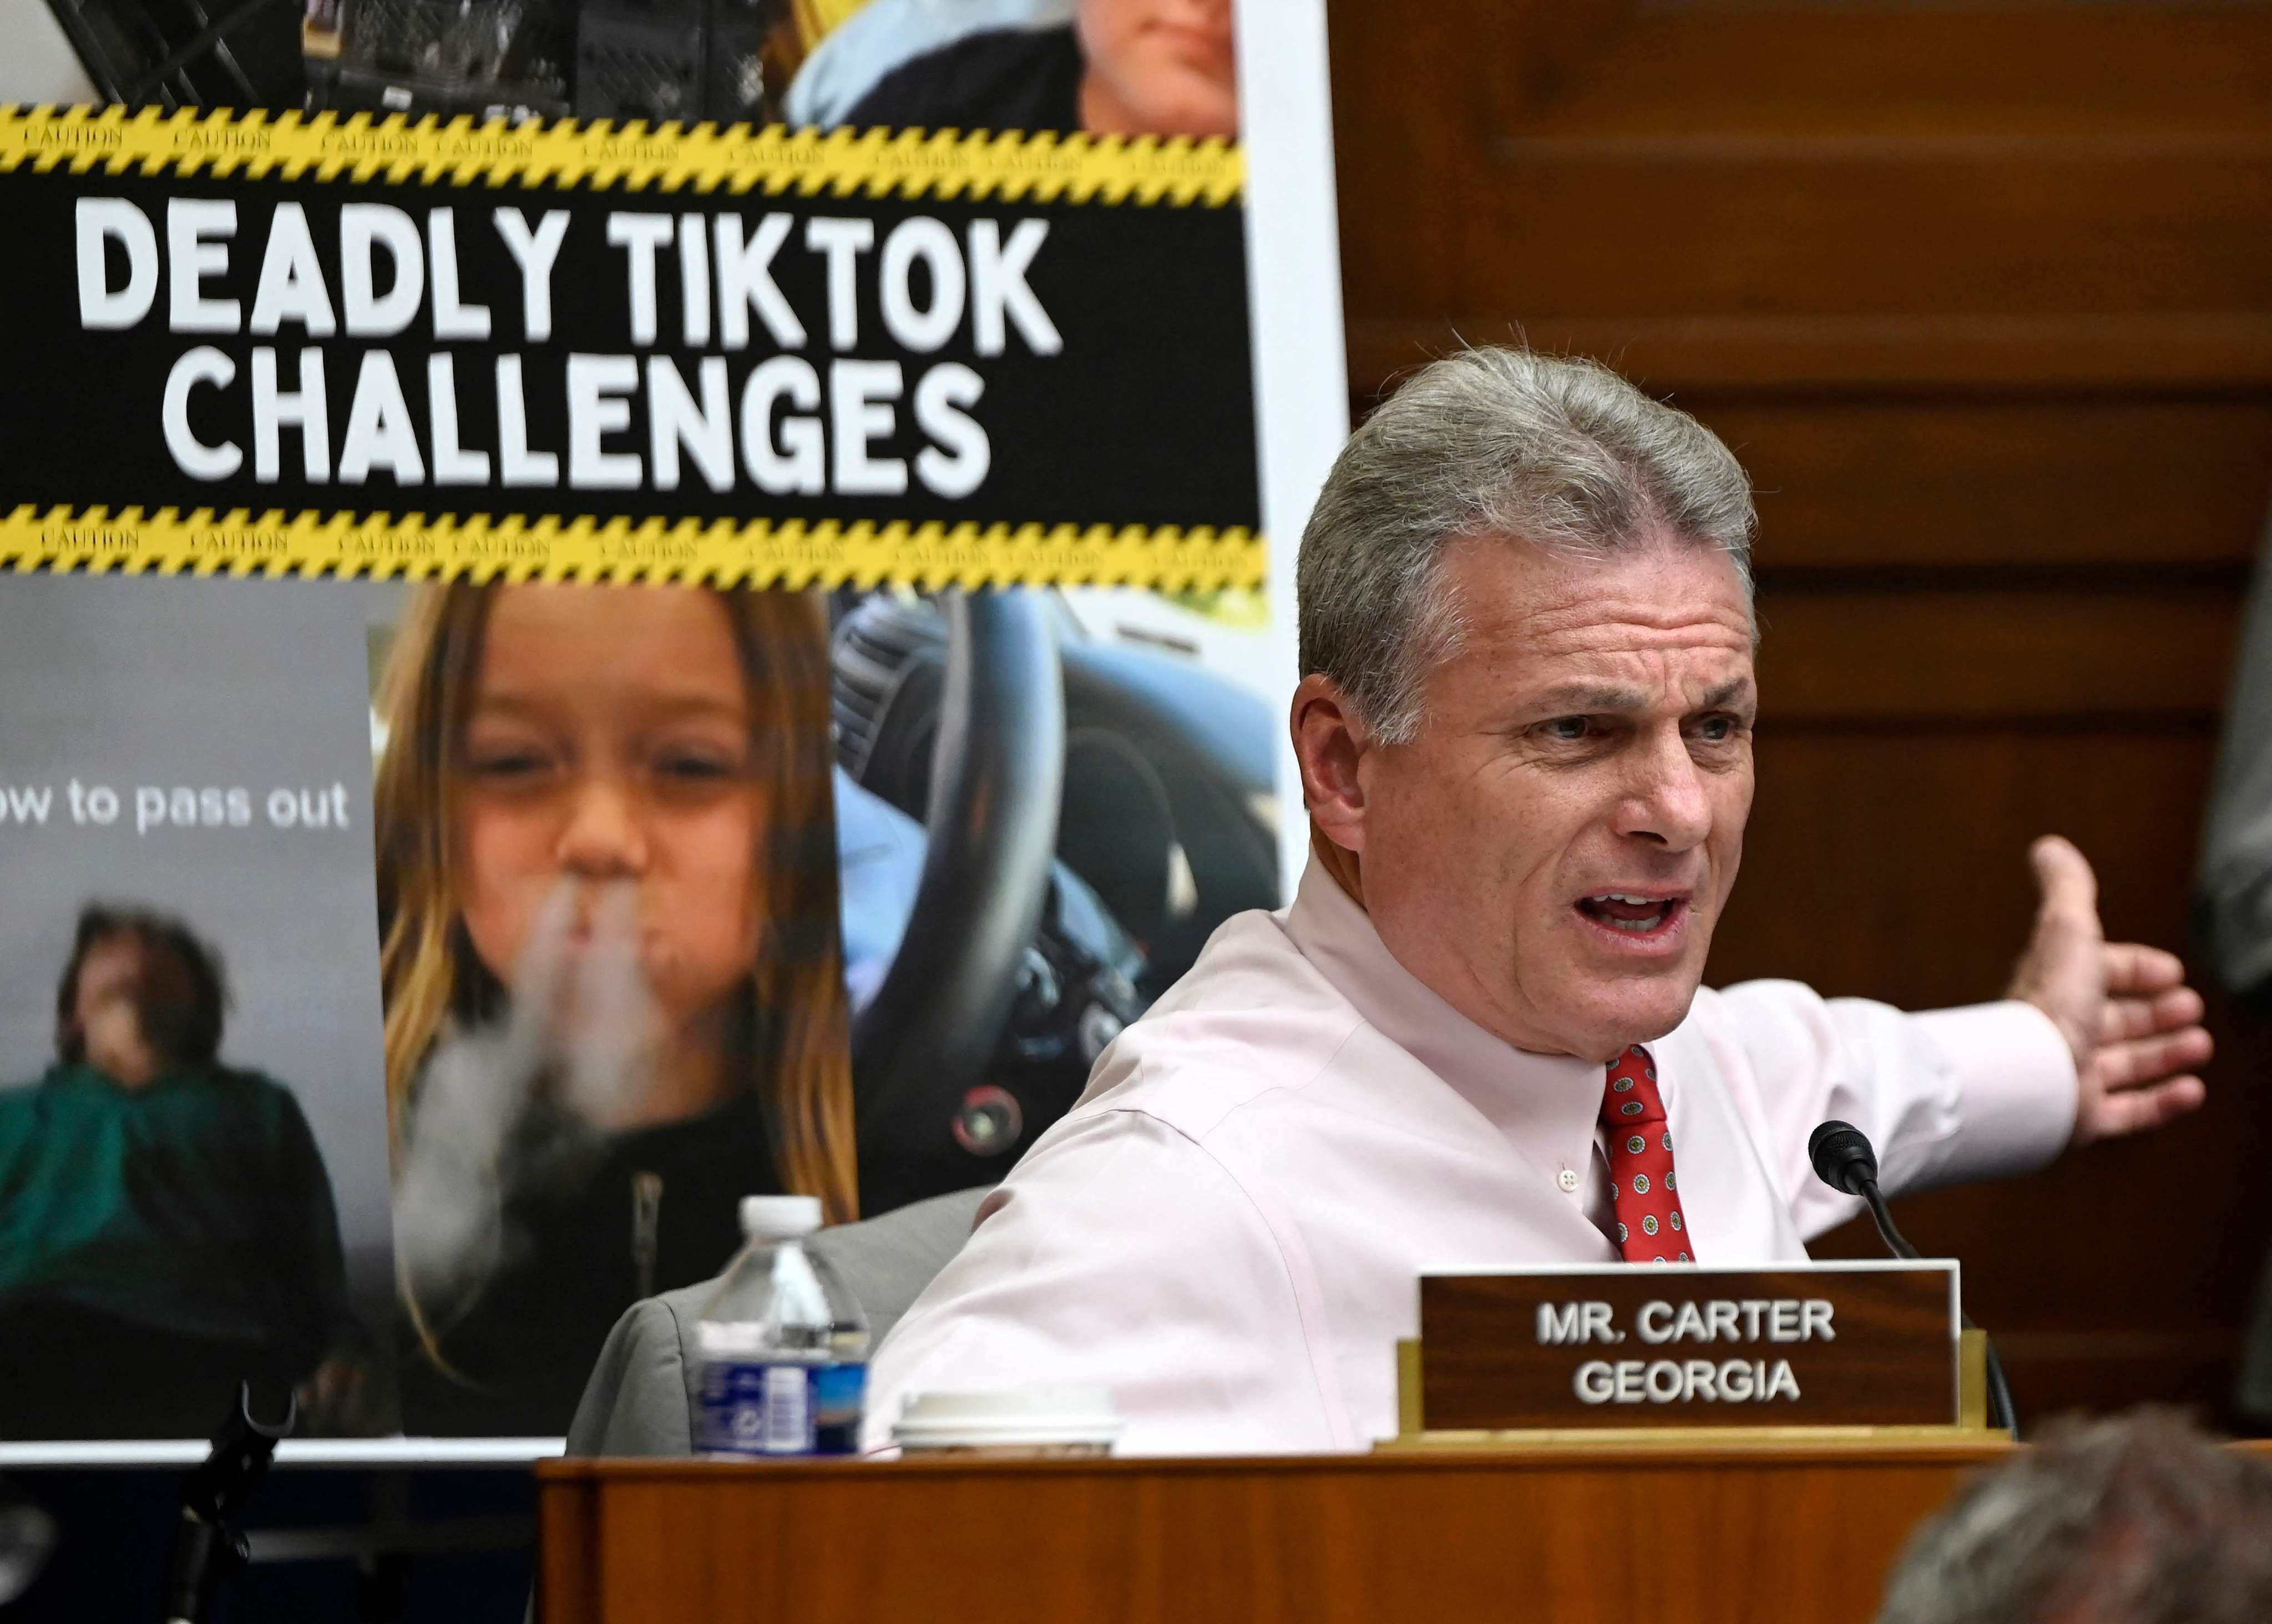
780,1217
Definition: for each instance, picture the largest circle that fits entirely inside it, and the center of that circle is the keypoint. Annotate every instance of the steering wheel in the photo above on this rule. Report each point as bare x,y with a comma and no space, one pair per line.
998,775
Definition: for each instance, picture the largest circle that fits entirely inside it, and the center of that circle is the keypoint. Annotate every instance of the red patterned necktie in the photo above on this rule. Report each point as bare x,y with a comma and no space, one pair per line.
1650,1229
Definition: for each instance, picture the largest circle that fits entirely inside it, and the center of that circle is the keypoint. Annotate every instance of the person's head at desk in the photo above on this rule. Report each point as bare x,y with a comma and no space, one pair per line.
2140,1520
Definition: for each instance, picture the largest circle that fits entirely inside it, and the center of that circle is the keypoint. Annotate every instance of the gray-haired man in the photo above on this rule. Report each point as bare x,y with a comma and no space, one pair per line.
1476,1037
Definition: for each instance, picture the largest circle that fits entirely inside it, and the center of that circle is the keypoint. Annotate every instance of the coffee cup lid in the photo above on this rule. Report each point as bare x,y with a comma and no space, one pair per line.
1005,1416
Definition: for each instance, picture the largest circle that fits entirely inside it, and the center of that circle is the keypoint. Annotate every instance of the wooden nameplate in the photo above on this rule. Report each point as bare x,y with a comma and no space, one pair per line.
1845,1351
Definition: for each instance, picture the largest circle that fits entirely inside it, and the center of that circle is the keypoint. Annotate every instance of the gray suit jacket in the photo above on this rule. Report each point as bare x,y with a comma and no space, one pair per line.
2235,896
2234,901
641,1397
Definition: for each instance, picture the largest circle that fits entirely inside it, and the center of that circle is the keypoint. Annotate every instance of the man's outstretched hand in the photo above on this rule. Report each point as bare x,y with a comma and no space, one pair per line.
2124,1009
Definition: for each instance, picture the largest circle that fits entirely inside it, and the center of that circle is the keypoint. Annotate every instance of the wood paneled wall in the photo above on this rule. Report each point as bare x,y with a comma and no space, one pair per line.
1982,294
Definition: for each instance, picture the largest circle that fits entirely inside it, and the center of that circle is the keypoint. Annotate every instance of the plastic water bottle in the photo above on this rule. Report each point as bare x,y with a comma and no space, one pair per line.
783,1343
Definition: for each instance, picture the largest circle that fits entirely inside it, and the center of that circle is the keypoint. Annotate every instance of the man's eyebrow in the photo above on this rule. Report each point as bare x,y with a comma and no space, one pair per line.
1570,699
1580,697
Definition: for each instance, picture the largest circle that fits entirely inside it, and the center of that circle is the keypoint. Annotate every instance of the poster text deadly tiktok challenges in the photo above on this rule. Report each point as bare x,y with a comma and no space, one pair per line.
762,387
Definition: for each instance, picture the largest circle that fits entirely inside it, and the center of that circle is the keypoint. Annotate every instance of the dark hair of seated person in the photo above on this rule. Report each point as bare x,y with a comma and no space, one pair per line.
186,1000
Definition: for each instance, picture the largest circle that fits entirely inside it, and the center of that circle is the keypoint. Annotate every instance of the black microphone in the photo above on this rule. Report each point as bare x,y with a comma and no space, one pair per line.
207,1546
1844,1160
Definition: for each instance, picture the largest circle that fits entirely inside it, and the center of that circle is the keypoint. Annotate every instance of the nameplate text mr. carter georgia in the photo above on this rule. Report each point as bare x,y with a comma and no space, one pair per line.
1814,1345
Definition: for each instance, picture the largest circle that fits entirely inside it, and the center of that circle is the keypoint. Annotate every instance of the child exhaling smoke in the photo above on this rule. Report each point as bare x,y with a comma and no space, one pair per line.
578,1035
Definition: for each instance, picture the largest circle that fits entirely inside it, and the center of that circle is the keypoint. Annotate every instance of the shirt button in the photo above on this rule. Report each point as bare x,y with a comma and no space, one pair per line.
1568,1181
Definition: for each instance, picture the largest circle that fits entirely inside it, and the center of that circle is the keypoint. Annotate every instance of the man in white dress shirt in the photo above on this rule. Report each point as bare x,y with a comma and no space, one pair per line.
1525,736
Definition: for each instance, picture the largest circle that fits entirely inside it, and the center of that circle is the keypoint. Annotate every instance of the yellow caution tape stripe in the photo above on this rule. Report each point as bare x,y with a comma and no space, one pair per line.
752,552
946,163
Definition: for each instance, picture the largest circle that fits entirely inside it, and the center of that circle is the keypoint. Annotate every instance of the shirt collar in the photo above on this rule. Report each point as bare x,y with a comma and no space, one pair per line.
1541,1101
86,1074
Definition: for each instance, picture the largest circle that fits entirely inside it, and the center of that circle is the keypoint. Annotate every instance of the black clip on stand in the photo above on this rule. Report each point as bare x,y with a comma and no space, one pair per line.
207,1544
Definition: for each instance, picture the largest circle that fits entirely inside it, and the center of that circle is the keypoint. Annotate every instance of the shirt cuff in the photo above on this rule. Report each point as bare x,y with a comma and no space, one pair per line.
2015,1088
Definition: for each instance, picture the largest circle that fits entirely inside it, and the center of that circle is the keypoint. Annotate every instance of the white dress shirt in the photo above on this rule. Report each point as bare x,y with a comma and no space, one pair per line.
1229,1228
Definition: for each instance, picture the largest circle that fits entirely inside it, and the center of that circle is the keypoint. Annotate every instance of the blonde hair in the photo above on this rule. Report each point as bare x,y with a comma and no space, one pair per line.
429,972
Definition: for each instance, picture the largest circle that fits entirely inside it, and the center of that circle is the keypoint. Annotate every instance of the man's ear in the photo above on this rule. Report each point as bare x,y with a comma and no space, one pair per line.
1329,742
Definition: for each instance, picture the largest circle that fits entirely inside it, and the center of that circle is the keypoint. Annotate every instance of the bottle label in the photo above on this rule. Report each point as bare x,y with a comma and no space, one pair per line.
840,1393
756,1407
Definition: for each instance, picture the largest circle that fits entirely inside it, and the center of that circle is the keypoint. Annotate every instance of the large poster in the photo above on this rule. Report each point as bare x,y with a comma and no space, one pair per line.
605,611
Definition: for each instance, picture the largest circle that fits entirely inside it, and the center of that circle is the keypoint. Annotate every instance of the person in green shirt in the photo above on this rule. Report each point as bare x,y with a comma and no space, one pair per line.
167,1228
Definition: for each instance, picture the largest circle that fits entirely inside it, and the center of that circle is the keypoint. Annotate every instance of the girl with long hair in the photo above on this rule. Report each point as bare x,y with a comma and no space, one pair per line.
614,993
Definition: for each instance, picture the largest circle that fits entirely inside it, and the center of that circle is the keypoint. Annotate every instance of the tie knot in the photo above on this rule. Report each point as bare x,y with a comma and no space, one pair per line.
1632,1096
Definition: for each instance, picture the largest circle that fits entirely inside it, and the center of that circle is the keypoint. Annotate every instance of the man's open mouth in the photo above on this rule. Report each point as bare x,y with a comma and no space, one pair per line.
1632,913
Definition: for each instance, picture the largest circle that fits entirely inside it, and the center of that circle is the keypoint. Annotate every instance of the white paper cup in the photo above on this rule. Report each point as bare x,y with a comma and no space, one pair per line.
1028,1423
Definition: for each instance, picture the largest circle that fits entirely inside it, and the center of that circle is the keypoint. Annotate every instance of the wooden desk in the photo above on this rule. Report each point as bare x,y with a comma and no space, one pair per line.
1794,1531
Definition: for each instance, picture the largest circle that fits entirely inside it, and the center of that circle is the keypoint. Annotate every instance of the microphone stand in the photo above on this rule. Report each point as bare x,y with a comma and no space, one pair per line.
207,1544
27,1537
2000,1412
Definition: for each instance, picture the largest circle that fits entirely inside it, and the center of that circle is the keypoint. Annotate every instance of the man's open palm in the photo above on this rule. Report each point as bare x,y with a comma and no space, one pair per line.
2124,1009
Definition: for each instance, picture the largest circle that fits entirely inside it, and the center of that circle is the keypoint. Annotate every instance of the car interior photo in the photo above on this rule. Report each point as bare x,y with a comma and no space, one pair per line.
992,719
